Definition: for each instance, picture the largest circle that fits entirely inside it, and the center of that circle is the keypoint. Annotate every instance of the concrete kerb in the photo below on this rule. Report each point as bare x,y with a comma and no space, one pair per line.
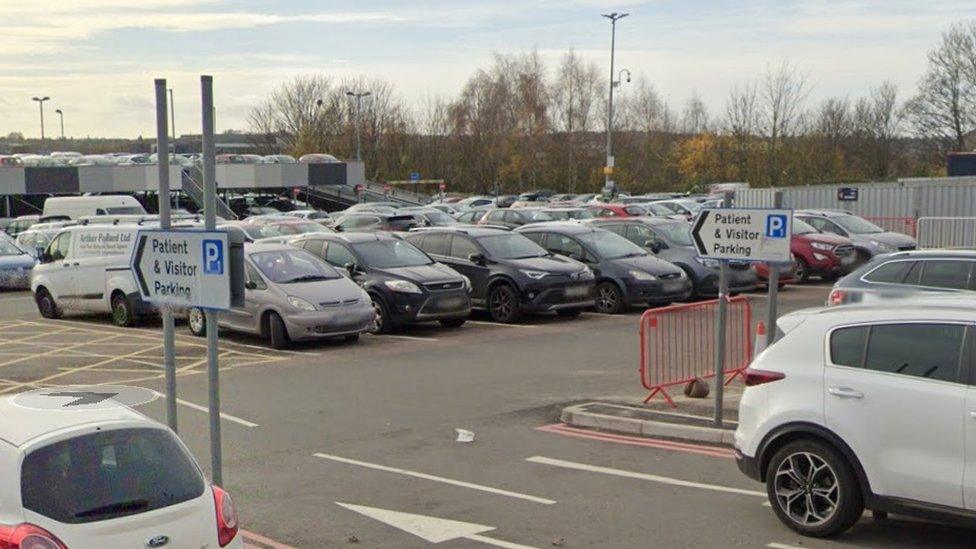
641,421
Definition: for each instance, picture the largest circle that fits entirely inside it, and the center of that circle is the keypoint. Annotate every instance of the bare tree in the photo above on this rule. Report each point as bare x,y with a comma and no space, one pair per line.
782,93
694,119
945,107
577,96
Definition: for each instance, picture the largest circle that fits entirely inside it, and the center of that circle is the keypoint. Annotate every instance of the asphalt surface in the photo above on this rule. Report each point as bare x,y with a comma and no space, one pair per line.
373,424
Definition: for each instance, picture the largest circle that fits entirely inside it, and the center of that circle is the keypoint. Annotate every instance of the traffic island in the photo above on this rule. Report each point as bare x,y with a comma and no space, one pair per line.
691,420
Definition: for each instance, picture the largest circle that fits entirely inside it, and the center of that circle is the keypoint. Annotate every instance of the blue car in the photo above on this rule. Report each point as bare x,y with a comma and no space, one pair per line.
15,265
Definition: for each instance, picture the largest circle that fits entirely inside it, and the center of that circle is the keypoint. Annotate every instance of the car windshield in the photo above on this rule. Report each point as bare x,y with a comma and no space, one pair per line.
109,474
562,215
802,227
385,254
857,225
611,246
439,218
125,210
296,228
678,233
657,209
537,215
7,248
292,266
511,246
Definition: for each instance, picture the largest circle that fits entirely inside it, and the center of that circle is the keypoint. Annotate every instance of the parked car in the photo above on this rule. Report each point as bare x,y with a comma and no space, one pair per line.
868,239
104,477
16,264
626,274
582,199
317,158
864,407
511,218
430,217
617,210
671,241
561,200
375,221
510,275
35,241
907,273
660,210
279,159
475,202
826,255
406,286
567,214
293,295
371,207
505,200
686,208
284,227
446,208
311,215
472,216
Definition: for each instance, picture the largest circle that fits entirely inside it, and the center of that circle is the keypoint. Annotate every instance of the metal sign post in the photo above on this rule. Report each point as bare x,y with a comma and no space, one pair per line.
169,326
771,308
210,222
734,234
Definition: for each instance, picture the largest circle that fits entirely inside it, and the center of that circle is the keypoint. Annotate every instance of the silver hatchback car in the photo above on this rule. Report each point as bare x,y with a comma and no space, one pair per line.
292,295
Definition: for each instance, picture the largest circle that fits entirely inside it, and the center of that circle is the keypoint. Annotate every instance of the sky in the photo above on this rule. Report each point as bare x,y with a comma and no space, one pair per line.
96,59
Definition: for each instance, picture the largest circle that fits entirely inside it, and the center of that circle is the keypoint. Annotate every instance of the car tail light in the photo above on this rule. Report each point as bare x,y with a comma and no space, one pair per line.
758,377
28,536
836,297
226,516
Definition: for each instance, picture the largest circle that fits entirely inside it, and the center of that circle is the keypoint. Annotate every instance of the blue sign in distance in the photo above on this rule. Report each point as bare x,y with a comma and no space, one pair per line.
414,176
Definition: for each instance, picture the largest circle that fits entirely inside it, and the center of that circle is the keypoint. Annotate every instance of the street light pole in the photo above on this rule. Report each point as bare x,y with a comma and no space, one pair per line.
608,171
40,102
359,97
172,116
61,117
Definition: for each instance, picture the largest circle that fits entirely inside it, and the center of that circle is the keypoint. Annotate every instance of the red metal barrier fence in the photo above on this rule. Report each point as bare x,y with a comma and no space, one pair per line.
903,225
677,343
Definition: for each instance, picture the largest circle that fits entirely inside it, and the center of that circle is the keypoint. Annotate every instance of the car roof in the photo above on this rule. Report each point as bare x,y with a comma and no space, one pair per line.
934,254
470,230
21,424
565,227
254,247
823,213
350,237
911,307
647,220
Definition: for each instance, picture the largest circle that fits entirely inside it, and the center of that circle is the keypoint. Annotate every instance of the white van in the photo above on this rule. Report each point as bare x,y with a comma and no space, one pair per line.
75,207
86,268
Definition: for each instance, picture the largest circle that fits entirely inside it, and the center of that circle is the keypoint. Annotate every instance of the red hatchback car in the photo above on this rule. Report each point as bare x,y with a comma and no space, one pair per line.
616,210
818,254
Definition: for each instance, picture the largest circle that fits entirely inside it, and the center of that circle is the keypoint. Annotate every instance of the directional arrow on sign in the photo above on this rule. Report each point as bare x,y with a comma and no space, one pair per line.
696,232
83,398
432,529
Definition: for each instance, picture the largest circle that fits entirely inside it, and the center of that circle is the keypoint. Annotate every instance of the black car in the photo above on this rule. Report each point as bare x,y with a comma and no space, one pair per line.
626,274
406,285
671,241
505,200
375,221
510,275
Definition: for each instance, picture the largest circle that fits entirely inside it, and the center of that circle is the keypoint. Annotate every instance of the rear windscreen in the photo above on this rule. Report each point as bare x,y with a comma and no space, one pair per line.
109,474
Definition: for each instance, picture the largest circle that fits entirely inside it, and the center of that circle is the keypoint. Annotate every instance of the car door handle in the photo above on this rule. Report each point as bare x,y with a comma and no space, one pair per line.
845,392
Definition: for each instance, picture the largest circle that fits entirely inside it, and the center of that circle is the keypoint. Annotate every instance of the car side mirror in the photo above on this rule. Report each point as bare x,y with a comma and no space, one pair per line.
477,258
655,245
352,269
39,252
44,256
251,285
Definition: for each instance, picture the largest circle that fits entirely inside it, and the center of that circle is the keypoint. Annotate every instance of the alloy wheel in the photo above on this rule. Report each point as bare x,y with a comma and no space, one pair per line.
807,489
378,319
501,303
606,299
197,321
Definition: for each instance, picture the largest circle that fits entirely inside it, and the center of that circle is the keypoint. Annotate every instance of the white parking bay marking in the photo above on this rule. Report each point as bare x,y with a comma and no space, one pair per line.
442,480
776,545
642,476
409,338
501,325
226,417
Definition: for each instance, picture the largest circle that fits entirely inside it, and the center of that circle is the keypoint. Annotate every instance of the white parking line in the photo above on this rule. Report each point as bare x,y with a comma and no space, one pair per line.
223,416
409,338
776,545
443,480
642,476
501,325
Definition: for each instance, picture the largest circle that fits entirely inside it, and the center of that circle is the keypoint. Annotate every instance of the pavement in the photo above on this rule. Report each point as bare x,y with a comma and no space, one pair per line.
354,445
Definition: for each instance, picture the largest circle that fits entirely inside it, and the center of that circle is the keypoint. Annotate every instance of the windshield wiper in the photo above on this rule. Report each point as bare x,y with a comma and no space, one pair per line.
530,256
305,278
120,507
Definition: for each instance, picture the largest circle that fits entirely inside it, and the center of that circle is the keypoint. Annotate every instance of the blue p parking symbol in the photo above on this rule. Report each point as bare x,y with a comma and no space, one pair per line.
776,226
213,257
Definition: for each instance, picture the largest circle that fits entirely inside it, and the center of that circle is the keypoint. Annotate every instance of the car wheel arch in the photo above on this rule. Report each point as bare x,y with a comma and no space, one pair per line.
501,279
784,434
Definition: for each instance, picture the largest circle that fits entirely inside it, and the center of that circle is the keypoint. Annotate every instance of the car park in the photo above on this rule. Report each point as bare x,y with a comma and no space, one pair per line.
475,202
895,276
626,274
86,268
292,295
671,241
371,207
446,208
15,265
659,210
284,227
505,200
75,207
104,477
685,208
510,275
860,407
375,221
511,218
868,239
406,286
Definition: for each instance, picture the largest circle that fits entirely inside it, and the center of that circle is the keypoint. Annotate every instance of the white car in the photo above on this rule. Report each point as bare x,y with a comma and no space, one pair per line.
92,478
864,407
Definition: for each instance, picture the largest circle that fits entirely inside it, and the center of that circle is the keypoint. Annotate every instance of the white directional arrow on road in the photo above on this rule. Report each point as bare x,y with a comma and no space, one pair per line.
432,529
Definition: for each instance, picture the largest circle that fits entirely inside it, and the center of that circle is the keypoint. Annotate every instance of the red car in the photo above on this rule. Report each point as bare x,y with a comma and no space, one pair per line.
787,273
818,254
616,210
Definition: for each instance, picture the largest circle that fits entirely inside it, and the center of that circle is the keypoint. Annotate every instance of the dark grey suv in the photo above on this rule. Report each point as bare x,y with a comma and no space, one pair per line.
902,274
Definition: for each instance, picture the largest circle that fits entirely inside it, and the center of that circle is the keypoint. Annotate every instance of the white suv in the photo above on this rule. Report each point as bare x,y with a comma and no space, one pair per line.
864,407
92,478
